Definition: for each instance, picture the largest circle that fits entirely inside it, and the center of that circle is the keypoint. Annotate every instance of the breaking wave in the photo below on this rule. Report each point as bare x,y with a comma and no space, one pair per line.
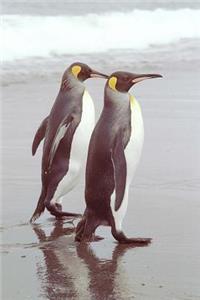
42,36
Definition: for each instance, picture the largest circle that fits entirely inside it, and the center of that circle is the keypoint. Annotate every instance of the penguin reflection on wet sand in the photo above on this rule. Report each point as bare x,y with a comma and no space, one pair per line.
108,277
66,132
114,152
56,280
62,269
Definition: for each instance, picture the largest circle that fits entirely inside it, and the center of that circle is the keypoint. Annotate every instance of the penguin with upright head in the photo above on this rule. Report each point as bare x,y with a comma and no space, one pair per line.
66,132
114,152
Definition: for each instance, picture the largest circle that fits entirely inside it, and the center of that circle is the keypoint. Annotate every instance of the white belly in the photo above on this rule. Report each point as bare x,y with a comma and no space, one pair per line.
79,148
134,148
132,154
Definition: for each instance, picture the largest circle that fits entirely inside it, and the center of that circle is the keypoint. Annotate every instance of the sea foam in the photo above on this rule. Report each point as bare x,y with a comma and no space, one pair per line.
42,36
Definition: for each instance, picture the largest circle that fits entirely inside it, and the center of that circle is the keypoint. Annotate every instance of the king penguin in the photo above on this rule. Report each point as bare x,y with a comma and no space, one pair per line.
66,132
114,152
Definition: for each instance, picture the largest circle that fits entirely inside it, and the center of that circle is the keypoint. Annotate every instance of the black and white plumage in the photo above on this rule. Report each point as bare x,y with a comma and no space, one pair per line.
114,152
66,132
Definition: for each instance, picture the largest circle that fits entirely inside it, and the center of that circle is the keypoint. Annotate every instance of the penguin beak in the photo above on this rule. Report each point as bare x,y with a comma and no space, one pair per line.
97,74
140,77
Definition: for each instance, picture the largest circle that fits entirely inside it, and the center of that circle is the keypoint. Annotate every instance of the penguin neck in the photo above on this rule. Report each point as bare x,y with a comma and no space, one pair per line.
69,82
116,100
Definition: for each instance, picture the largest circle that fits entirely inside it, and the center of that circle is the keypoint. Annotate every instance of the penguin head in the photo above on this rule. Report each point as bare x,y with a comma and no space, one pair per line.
82,72
123,81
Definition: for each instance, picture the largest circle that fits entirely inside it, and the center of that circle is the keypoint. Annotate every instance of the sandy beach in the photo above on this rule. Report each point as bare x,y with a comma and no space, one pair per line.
44,262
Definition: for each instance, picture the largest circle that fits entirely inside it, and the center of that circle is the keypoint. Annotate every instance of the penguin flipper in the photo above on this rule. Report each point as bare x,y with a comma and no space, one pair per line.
63,129
119,165
40,133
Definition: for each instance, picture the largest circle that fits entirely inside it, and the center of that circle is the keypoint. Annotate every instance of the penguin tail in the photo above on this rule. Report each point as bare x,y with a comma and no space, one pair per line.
40,207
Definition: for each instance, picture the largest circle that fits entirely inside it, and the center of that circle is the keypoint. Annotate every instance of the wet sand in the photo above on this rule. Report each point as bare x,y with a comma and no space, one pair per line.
44,262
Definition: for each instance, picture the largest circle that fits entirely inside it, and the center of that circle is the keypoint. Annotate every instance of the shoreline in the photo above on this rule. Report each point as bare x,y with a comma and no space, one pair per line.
163,202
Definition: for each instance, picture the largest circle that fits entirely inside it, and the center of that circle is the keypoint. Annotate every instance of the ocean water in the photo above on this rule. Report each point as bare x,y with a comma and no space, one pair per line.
40,39
45,36
82,7
52,29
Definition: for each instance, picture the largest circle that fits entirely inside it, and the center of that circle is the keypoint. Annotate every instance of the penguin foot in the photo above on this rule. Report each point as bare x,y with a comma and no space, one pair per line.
56,210
137,242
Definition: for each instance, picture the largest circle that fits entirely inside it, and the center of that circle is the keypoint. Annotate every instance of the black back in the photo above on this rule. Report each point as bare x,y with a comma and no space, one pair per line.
68,105
114,121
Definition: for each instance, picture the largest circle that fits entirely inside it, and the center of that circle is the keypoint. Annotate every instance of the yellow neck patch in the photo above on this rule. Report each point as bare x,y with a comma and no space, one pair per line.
76,70
112,83
132,101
